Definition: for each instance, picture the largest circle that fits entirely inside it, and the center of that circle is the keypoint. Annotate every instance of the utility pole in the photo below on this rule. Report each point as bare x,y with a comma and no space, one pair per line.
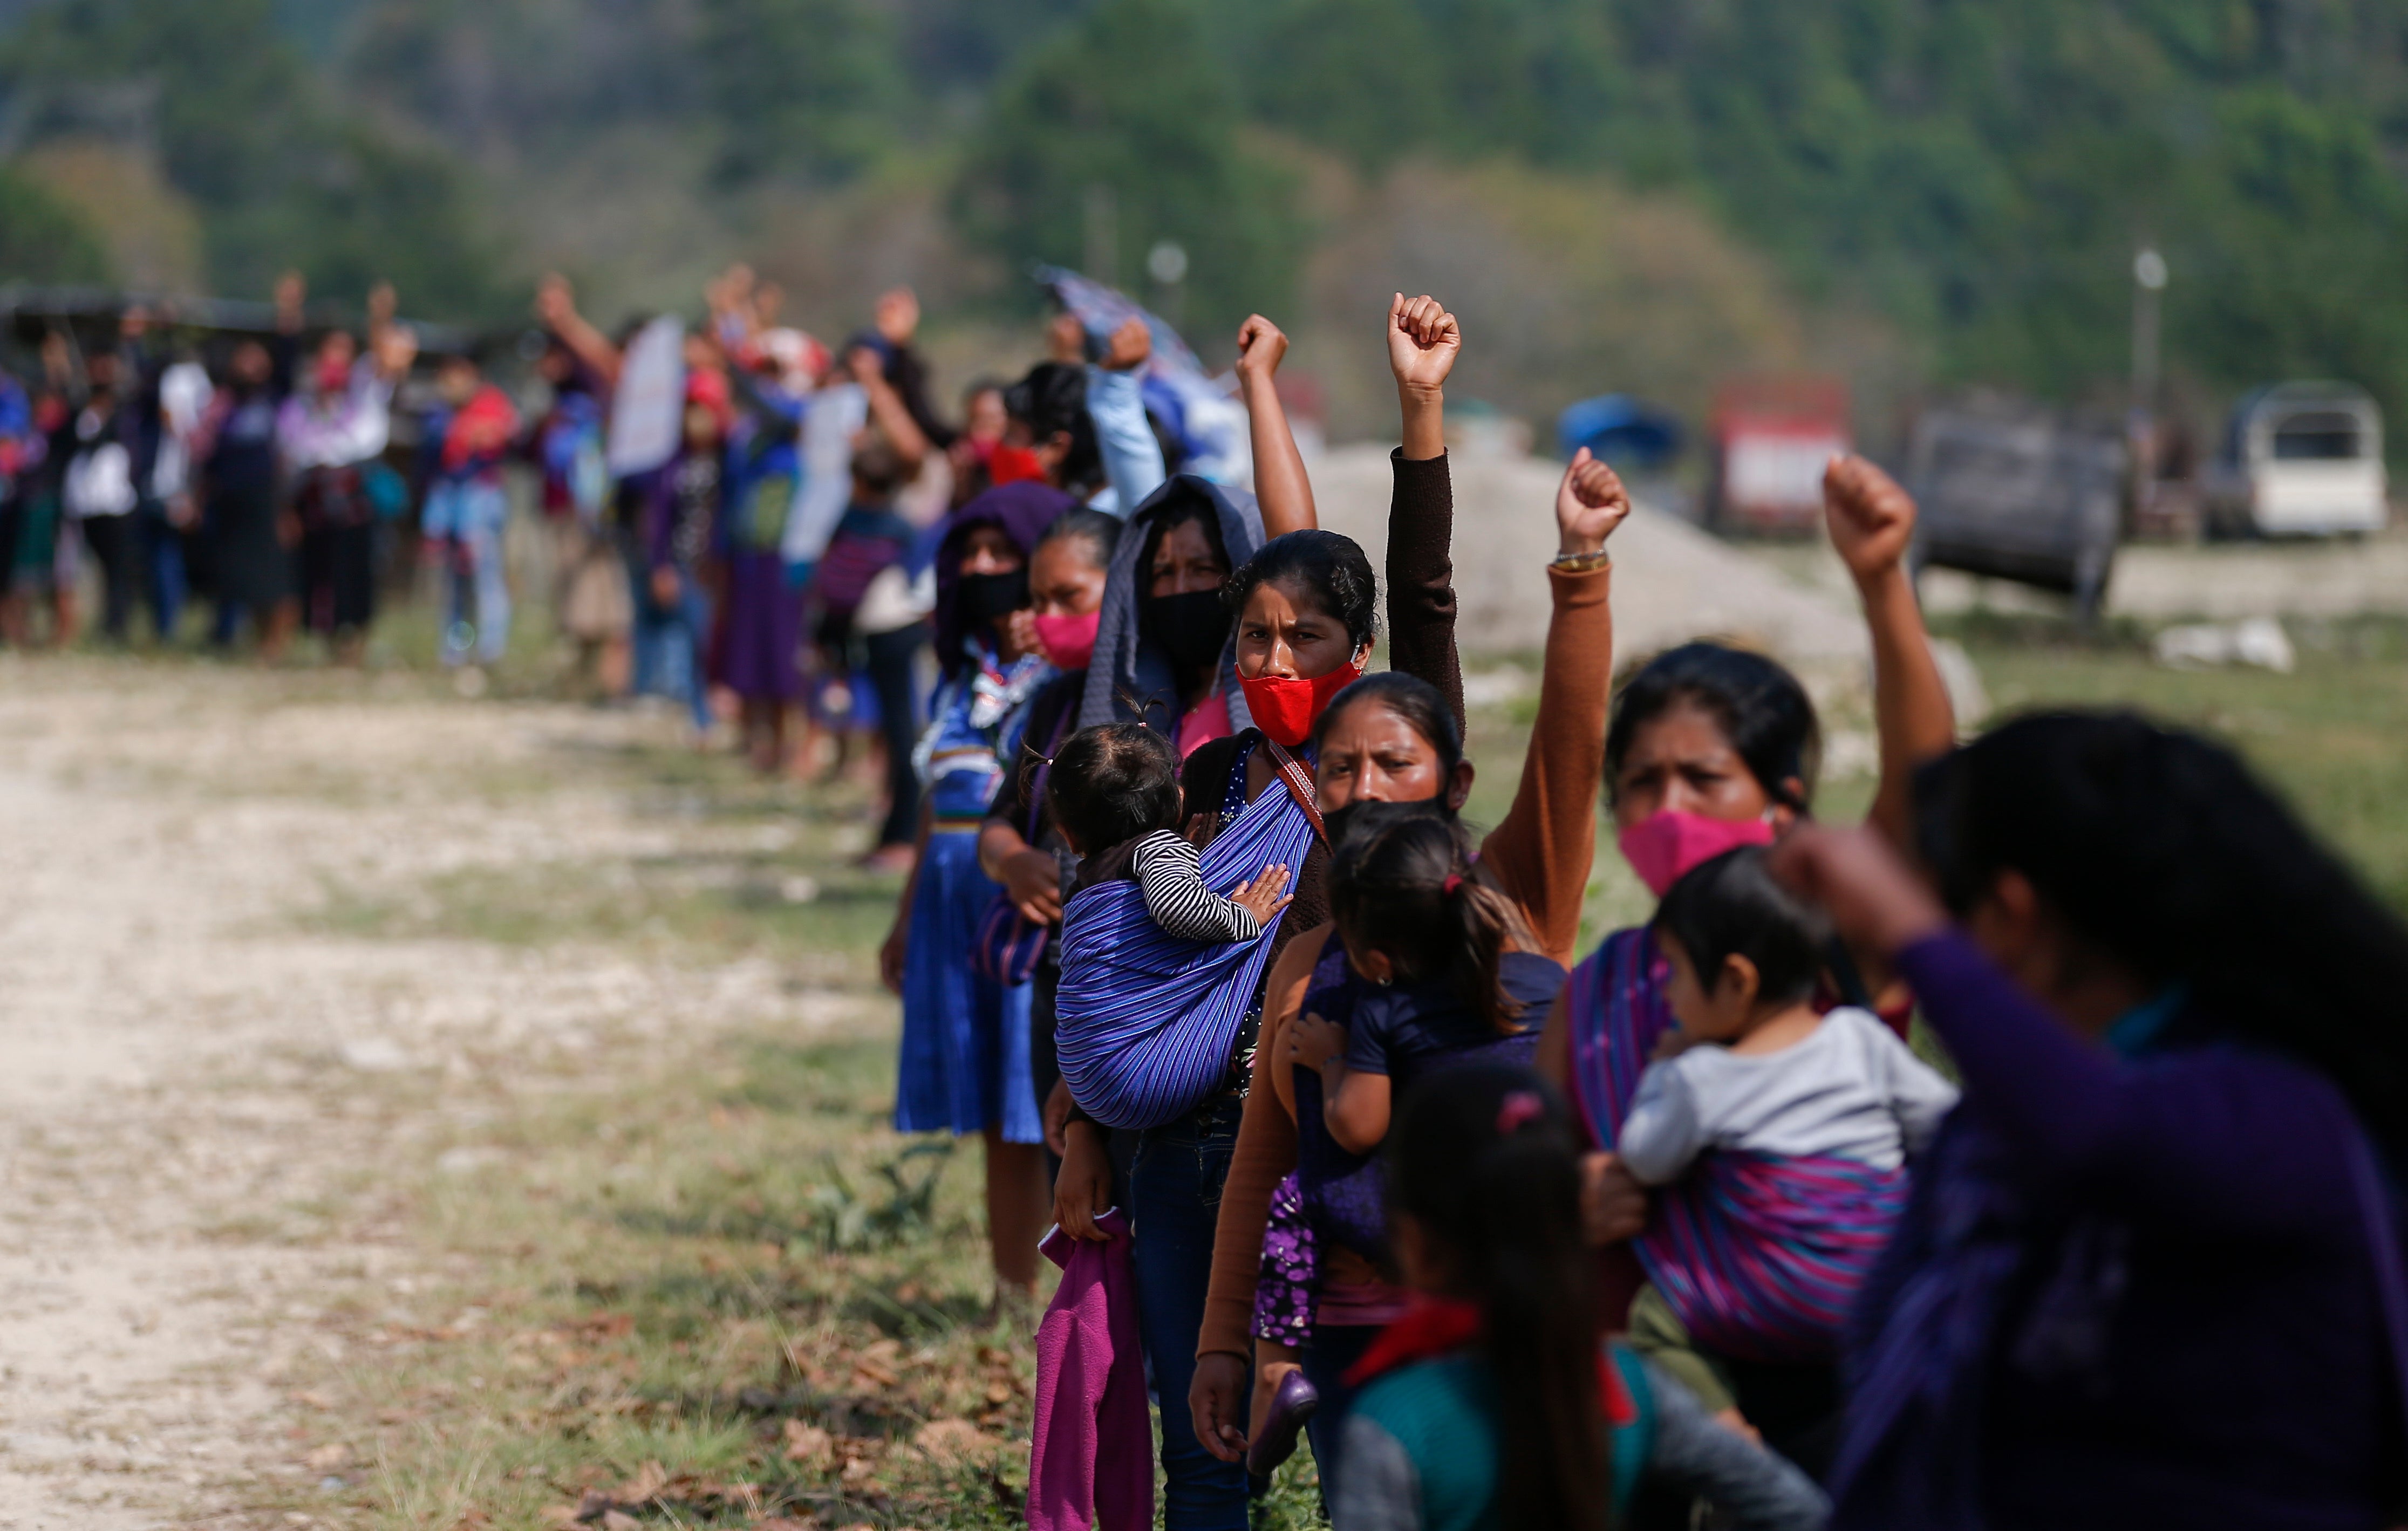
2140,428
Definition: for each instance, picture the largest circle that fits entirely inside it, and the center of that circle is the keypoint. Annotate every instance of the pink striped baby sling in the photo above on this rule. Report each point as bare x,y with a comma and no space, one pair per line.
1758,1255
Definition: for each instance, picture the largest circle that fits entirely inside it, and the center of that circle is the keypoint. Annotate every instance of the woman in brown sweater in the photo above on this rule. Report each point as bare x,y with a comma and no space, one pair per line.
1539,857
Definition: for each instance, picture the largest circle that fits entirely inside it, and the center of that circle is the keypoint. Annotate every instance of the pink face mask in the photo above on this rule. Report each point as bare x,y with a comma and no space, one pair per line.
1069,642
1663,847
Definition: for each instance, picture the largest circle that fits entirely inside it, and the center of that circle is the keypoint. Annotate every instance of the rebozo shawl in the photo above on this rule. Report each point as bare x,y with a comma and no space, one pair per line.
1129,679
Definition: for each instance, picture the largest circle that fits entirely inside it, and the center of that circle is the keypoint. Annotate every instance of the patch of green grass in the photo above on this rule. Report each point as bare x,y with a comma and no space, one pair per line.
2329,735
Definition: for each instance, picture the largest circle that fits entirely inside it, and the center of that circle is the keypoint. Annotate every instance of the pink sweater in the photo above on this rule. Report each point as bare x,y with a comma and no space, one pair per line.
1091,1457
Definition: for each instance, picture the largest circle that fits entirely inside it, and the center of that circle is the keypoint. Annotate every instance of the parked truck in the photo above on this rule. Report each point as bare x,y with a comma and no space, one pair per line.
2298,459
2016,492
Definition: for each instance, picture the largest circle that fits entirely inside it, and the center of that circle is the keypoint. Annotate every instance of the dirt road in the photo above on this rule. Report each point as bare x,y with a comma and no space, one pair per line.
193,1167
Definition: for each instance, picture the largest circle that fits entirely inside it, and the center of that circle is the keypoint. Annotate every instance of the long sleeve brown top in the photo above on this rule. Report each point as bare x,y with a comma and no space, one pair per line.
1538,856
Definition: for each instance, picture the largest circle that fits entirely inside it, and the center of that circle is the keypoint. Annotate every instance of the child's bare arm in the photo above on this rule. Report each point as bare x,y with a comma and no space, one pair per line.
1354,1106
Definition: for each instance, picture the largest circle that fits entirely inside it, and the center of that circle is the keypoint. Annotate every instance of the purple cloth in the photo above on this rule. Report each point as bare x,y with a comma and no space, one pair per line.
754,652
2124,1293
1289,1276
1091,1453
1024,510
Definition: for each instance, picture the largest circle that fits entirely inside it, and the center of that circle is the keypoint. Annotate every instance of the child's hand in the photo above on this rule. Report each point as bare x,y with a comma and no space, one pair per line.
1260,346
1589,504
1261,897
1312,1041
1422,342
1871,519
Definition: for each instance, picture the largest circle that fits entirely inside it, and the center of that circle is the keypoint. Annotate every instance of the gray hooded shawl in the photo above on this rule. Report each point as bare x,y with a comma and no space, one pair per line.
1127,667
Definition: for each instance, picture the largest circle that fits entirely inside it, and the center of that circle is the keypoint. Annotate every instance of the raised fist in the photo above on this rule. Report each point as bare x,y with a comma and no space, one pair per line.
1871,519
1589,504
1422,342
1261,344
1129,346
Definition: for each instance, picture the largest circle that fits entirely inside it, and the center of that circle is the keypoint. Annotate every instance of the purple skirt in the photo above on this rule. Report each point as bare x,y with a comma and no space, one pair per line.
761,631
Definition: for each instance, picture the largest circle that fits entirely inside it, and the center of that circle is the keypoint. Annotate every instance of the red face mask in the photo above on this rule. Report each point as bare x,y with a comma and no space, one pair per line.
334,376
1663,847
1069,642
1012,465
1285,708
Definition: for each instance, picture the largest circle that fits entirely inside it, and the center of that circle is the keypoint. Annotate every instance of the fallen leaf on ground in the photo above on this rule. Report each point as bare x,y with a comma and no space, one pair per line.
808,1444
646,1485
952,1443
327,1458
619,1519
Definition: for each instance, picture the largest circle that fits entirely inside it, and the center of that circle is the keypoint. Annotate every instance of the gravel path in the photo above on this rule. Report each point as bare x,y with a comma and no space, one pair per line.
191,1163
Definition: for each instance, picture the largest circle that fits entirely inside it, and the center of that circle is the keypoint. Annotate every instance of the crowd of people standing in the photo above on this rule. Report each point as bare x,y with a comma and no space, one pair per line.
1342,1133
1341,1118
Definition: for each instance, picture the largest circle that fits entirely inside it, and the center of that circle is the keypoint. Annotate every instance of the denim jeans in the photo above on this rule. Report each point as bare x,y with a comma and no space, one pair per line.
471,515
671,644
1174,1203
162,567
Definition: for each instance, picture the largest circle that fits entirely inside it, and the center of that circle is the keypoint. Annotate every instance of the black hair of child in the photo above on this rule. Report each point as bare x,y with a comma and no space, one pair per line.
1113,782
1401,883
1732,906
1759,707
1484,1158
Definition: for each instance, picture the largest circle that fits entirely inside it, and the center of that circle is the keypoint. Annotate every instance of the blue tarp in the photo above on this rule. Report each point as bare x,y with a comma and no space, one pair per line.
1626,431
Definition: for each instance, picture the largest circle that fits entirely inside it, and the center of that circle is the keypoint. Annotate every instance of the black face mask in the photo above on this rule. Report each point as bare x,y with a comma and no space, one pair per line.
1193,628
987,597
1338,822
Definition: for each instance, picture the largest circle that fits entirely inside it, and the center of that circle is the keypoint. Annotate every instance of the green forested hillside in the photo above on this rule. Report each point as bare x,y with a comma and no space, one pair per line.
1972,173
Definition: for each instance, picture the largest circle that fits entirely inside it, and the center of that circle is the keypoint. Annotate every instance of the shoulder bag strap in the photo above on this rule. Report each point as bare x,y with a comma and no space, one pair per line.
1299,786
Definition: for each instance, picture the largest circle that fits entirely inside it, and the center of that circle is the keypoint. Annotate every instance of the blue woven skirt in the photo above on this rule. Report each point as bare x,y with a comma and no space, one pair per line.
965,1064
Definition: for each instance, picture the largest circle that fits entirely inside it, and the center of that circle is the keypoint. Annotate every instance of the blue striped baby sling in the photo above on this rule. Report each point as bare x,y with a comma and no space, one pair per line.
1145,1021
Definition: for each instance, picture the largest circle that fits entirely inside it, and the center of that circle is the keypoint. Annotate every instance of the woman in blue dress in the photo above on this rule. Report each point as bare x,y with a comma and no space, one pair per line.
965,1064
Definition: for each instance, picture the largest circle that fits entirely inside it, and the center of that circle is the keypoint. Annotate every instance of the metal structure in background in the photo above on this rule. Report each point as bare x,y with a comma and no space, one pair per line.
2021,493
2300,458
1771,439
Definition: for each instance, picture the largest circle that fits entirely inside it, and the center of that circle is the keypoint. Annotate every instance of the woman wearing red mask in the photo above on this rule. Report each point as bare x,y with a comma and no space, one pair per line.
1711,748
1397,738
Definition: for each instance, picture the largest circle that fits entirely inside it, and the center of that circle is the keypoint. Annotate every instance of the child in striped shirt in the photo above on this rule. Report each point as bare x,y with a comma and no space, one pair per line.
1116,798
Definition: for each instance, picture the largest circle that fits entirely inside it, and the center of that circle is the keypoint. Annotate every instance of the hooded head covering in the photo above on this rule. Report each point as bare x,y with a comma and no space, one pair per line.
1126,667
1023,511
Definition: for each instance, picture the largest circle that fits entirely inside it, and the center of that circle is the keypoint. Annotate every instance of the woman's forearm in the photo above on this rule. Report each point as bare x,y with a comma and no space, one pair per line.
997,843
1540,853
1912,712
1282,490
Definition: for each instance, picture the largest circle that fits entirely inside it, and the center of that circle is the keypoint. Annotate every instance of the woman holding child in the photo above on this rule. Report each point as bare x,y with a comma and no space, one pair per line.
1397,739
1712,748
1236,706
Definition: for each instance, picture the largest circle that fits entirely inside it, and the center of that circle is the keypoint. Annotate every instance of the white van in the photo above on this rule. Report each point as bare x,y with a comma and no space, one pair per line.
2300,458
